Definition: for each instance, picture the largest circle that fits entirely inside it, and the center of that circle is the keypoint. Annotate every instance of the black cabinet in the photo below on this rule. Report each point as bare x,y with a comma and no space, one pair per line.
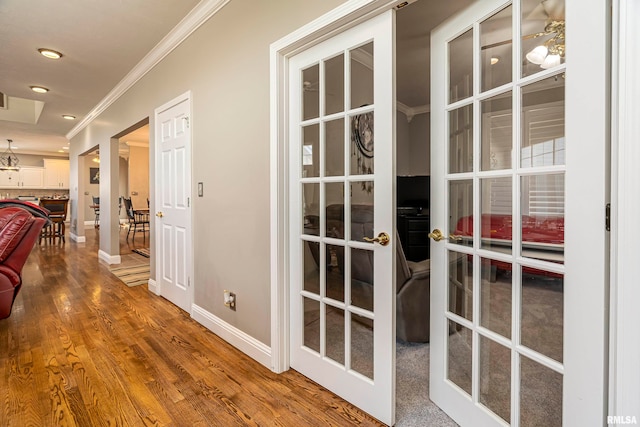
413,231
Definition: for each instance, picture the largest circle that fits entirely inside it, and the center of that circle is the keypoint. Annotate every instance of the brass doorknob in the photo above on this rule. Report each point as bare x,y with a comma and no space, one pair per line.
159,214
436,235
383,238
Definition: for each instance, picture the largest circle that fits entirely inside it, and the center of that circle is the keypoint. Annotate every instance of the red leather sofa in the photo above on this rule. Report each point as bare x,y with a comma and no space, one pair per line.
20,227
542,238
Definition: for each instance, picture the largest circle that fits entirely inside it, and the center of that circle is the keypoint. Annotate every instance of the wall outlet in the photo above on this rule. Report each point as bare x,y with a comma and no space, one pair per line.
230,299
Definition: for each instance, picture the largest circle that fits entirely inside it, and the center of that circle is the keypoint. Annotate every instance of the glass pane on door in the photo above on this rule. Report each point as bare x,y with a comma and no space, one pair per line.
461,75
543,36
310,97
496,49
495,378
362,76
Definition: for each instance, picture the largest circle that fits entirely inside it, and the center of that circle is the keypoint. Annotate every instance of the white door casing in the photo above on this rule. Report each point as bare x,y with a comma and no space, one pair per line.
582,288
172,220
332,359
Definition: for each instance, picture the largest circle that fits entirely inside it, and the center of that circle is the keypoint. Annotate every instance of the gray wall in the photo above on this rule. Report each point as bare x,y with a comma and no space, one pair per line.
225,65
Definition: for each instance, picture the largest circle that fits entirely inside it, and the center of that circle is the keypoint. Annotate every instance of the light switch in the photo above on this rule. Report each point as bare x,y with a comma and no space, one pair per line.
200,189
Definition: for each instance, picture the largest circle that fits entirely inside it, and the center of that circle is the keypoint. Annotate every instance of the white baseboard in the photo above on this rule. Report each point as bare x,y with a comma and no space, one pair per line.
77,239
153,286
234,336
109,259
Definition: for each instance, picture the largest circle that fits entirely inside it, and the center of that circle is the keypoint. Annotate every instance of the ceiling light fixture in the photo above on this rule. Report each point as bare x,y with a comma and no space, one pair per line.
50,53
9,161
39,89
550,53
96,159
68,117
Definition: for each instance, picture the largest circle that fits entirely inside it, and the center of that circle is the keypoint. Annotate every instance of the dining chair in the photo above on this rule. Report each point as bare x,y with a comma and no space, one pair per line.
138,220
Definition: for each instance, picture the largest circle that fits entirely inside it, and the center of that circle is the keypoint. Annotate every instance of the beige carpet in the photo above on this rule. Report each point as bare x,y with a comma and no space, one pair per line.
132,275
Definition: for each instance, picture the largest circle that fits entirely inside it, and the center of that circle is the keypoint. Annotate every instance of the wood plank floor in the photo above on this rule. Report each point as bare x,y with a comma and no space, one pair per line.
83,349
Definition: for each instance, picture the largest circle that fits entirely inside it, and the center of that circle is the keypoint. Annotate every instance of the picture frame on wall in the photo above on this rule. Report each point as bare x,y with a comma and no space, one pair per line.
94,175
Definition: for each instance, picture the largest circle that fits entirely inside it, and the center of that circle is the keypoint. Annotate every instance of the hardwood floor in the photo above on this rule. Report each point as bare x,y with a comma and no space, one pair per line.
83,349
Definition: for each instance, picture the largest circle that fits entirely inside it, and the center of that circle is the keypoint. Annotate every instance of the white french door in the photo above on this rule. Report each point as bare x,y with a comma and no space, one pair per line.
173,202
342,295
518,195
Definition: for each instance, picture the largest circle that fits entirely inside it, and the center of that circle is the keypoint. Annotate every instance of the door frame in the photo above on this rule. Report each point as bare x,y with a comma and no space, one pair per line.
624,341
155,284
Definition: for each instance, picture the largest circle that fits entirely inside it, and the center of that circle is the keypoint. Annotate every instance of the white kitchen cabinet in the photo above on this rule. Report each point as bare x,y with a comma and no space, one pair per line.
56,174
26,177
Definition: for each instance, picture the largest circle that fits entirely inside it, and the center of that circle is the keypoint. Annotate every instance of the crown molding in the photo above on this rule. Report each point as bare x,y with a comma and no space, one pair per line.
411,112
137,144
194,19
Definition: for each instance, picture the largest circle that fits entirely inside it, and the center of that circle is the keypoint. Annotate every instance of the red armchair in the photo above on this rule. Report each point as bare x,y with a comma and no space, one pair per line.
20,226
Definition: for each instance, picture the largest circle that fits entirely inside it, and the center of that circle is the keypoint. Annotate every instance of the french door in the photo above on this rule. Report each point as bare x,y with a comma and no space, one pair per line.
342,235
518,113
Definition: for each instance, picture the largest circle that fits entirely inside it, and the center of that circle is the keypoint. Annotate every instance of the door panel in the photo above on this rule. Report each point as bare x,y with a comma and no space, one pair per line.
342,287
502,287
173,217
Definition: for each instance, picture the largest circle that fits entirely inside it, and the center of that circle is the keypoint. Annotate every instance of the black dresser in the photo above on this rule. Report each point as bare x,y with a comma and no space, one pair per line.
413,230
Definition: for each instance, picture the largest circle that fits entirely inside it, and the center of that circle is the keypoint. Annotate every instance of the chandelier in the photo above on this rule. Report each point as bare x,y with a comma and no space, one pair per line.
550,53
9,161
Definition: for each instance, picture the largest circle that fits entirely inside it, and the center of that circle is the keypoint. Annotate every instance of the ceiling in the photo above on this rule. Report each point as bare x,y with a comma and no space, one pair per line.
102,40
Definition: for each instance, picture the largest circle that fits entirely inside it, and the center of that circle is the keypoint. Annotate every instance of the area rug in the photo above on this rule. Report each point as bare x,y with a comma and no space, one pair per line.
143,251
132,275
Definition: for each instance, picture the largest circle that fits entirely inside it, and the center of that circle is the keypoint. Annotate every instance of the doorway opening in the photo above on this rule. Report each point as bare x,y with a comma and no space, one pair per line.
133,184
414,24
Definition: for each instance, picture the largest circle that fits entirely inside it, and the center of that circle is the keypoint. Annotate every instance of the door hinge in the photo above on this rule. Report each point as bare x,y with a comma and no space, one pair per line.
187,119
607,217
188,282
188,202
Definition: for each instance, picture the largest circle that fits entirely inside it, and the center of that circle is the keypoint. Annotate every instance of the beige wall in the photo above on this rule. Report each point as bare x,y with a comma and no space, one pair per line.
138,176
225,65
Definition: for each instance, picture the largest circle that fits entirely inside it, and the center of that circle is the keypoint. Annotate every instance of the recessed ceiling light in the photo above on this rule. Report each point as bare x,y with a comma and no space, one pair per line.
39,89
60,151
495,60
68,117
65,148
50,53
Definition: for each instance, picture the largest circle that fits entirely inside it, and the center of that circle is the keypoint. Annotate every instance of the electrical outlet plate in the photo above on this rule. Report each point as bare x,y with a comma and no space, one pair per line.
230,299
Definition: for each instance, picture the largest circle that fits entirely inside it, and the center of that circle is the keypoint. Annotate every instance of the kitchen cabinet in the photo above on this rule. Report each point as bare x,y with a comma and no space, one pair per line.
56,174
26,177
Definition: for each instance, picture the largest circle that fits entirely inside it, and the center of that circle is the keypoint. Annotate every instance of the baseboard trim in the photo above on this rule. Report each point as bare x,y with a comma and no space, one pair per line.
245,343
77,239
109,259
153,286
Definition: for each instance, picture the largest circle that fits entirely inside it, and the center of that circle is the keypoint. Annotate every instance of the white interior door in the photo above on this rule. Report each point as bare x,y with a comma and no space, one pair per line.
342,287
518,194
173,202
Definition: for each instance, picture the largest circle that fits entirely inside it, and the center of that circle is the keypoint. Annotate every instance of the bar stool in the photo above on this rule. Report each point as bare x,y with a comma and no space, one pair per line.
58,216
